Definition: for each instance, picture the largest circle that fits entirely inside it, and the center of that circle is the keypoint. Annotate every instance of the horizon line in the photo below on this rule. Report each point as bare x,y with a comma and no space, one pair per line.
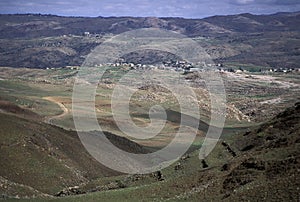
124,16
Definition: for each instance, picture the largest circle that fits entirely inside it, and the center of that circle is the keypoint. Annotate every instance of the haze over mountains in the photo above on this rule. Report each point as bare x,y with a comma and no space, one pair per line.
41,41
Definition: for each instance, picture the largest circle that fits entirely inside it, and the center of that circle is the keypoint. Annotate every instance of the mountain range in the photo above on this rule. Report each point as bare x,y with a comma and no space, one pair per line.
41,41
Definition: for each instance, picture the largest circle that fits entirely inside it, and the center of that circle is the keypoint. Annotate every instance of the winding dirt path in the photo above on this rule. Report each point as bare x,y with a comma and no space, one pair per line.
61,105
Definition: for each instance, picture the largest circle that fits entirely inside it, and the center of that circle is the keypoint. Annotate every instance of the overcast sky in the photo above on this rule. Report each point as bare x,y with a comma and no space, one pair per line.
157,8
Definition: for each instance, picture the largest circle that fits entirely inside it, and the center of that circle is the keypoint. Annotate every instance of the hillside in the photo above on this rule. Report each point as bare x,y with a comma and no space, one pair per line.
261,164
41,41
268,163
35,26
38,159
268,170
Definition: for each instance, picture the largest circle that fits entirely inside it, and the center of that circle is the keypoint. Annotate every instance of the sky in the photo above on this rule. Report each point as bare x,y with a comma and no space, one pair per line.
153,8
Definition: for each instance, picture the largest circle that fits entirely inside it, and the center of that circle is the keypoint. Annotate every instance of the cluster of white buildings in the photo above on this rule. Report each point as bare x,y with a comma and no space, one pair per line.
283,70
183,66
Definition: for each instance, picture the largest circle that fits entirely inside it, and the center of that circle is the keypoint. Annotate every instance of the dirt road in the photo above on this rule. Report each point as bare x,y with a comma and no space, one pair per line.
61,105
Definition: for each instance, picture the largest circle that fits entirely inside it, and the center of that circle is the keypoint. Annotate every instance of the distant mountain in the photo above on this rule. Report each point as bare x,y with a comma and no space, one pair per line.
33,26
247,23
40,41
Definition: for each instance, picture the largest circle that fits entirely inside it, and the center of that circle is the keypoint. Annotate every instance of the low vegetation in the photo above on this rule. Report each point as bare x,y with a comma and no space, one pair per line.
257,157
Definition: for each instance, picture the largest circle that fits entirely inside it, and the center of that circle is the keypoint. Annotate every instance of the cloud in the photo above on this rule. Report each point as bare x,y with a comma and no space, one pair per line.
244,1
287,2
265,2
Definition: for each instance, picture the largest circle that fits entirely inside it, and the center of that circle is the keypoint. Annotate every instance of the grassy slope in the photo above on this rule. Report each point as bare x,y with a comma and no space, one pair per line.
44,157
267,171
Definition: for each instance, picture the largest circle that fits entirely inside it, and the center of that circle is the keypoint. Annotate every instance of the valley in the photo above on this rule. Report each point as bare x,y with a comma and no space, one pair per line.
39,103
43,155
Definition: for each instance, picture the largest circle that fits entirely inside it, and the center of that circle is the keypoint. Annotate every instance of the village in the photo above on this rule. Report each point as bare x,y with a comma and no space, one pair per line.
187,67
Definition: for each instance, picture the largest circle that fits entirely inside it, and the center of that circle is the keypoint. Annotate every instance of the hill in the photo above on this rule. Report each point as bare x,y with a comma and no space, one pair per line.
261,164
268,162
38,159
41,41
267,170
